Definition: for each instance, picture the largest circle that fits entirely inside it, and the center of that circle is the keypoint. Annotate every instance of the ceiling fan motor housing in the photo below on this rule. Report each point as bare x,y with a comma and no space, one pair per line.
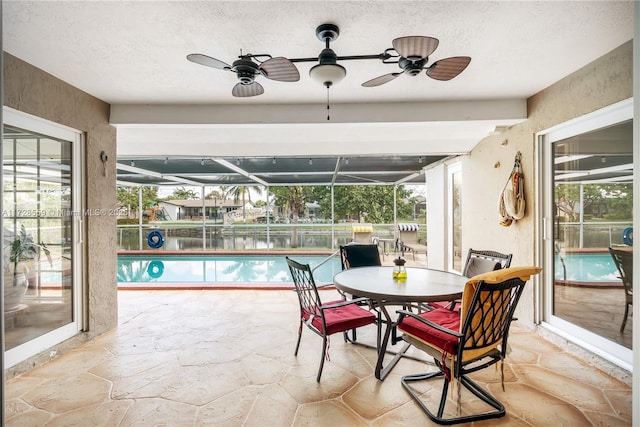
246,71
412,67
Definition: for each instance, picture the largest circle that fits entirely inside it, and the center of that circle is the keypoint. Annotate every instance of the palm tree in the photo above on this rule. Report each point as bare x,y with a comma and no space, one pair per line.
294,204
240,192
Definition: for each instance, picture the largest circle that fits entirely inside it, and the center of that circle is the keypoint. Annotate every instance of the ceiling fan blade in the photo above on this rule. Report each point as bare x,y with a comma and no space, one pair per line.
380,80
280,69
208,61
448,68
414,47
244,91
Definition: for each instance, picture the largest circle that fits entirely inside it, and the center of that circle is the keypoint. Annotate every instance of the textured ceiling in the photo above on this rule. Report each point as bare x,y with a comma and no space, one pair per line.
133,56
134,52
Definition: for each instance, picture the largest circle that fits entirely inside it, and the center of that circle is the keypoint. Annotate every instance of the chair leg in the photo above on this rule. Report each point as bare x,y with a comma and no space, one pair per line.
624,319
299,336
324,352
474,388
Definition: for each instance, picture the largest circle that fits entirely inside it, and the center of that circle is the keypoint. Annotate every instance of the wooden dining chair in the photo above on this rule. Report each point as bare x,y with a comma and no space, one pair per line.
327,318
466,341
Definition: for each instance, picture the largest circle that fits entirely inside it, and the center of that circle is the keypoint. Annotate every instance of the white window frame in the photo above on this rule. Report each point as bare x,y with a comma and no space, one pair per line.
452,169
38,125
610,115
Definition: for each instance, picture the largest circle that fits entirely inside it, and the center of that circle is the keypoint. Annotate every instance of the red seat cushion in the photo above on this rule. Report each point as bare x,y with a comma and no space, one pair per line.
340,319
440,316
446,304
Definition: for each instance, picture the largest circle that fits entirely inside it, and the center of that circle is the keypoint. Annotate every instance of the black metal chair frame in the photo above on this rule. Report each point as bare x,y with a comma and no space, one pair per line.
347,263
503,259
623,259
308,296
493,302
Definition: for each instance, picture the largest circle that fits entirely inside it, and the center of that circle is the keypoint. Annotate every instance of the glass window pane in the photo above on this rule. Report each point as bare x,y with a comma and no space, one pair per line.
593,197
36,220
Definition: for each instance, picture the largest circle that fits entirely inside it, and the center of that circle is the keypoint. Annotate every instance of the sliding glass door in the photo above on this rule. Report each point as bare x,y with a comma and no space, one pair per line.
41,234
588,210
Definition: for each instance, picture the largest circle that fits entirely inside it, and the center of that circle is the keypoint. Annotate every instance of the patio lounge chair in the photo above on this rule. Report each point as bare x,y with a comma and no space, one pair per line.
408,235
623,259
465,342
327,318
362,233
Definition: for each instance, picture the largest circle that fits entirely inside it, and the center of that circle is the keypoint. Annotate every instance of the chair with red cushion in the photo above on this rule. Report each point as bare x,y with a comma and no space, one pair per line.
360,255
326,318
466,341
478,262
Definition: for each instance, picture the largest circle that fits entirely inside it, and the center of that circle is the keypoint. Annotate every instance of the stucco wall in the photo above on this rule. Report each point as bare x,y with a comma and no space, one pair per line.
601,83
33,91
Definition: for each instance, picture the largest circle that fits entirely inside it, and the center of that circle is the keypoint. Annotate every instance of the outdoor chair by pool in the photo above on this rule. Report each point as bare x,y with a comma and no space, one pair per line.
466,341
482,261
408,239
327,318
362,233
360,255
478,262
623,259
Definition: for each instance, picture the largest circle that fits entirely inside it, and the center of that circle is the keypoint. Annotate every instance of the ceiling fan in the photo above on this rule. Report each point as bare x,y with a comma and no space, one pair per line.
414,52
278,68
412,55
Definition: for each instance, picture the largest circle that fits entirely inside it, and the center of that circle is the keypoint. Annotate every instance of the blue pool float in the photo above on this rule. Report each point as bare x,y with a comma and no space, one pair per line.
155,239
627,236
155,269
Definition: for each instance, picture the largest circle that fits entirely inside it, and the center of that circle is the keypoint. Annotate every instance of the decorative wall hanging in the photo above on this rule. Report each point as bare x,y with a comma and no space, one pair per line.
511,204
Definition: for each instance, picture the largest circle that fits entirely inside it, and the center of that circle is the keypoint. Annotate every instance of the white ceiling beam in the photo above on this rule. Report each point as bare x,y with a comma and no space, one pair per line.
374,112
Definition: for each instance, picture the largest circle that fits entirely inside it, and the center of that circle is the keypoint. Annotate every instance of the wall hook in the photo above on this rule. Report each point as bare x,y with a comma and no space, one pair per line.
103,159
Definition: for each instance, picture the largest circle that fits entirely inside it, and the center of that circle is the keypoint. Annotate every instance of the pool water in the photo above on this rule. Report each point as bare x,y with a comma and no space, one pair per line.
219,269
597,267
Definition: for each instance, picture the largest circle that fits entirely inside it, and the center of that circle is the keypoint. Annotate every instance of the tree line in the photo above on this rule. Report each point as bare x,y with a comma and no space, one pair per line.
366,203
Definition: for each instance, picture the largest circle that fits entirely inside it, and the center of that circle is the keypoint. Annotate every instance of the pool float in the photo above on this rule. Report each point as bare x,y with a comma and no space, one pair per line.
627,236
155,239
155,269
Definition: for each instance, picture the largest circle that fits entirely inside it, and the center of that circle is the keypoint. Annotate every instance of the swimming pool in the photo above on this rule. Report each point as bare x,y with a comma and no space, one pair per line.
586,267
231,270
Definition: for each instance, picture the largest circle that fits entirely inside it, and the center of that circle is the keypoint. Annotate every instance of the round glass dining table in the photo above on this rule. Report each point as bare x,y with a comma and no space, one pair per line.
422,285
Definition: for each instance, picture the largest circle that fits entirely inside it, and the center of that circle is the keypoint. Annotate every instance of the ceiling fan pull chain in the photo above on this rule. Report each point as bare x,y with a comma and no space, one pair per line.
328,118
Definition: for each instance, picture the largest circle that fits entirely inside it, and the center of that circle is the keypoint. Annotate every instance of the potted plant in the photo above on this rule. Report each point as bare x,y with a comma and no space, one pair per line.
23,251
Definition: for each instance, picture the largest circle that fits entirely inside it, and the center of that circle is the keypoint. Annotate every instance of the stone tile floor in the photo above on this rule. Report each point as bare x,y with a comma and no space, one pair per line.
225,358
